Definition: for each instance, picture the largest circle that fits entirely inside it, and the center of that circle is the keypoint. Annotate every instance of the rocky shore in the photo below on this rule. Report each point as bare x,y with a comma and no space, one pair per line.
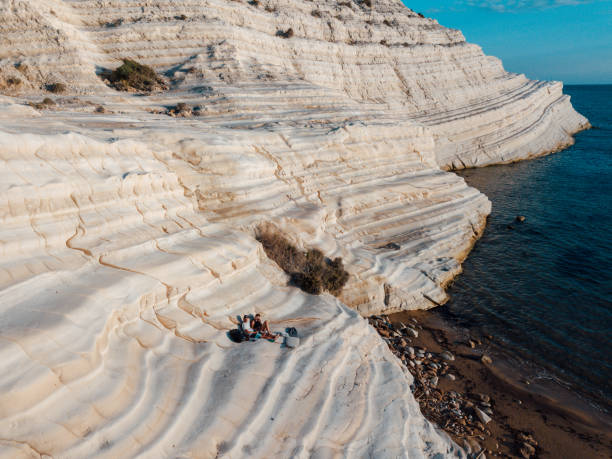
460,388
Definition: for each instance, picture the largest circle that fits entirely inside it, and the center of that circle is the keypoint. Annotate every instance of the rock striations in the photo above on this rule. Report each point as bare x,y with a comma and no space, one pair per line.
127,243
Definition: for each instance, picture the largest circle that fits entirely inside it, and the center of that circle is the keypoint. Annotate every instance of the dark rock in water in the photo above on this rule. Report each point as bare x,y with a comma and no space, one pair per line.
510,227
520,218
391,246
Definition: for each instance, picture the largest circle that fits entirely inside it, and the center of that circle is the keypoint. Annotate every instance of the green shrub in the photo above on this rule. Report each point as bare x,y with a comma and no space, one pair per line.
311,270
132,75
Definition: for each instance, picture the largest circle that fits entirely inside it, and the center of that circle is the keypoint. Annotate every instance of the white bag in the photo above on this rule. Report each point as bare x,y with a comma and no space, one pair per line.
292,341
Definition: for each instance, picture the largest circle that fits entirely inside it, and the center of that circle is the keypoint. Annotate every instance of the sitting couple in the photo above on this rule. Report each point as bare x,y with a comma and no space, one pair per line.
253,327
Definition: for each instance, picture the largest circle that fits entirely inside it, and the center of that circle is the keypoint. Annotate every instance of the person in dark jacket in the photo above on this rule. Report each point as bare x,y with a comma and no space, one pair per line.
261,326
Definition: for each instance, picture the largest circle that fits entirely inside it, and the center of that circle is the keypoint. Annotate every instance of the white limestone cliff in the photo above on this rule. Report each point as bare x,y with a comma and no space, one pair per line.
127,237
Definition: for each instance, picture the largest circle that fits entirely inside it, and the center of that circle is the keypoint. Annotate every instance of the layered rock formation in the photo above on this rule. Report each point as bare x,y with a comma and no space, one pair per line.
117,295
127,236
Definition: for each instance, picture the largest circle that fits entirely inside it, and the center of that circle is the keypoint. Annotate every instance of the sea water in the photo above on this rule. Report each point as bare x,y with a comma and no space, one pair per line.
543,288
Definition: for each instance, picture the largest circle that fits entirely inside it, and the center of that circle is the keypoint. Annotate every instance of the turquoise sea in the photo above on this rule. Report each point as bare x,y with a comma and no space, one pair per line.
543,288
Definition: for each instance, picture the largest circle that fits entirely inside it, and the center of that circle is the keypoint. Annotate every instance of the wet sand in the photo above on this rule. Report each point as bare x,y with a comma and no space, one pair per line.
529,417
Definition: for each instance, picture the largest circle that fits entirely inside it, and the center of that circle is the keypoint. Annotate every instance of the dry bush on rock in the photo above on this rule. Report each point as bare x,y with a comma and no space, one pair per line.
56,88
115,23
310,270
285,34
14,82
45,104
181,110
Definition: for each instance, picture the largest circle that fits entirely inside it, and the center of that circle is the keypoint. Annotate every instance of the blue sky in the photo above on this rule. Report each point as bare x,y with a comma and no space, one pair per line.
567,40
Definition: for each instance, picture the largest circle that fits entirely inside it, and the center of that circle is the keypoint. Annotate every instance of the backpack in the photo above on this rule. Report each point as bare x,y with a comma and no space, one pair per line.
292,332
236,335
292,341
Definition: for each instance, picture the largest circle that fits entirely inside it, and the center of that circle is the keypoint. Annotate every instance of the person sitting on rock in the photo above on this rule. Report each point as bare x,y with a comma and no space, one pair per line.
247,329
260,326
